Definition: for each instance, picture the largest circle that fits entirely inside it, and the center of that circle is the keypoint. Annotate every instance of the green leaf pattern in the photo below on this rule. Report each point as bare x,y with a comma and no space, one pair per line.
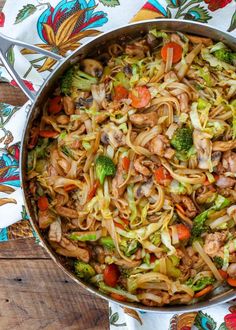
110,3
25,12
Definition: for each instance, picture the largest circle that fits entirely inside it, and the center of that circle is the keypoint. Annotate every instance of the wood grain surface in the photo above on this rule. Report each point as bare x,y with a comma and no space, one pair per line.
34,293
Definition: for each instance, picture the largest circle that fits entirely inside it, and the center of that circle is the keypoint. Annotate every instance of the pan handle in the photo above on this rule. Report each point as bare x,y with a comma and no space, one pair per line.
5,44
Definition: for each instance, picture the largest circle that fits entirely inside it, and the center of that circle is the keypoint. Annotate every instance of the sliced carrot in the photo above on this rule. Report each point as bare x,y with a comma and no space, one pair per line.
70,187
161,175
177,51
231,281
122,225
48,134
125,163
55,105
208,183
153,258
92,191
140,97
223,274
204,291
111,275
118,296
43,203
120,93
183,231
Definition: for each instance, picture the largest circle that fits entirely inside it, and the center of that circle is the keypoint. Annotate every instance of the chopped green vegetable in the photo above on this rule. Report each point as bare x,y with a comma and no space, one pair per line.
225,55
199,221
129,247
76,78
218,261
182,139
67,151
121,79
200,284
155,238
106,288
107,242
171,269
83,238
83,270
39,152
104,167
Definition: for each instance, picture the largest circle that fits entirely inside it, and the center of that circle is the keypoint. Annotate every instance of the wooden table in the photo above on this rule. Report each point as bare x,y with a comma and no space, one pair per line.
34,292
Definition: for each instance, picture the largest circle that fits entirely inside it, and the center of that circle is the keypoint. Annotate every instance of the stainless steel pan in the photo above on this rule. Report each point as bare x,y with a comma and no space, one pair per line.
92,48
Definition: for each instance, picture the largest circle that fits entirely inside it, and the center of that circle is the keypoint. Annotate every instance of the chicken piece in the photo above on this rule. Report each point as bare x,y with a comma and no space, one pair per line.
232,270
45,218
191,209
144,119
165,297
101,117
213,243
55,232
198,40
126,264
229,161
139,167
203,146
117,181
183,102
68,249
137,49
159,145
225,182
223,145
66,212
69,105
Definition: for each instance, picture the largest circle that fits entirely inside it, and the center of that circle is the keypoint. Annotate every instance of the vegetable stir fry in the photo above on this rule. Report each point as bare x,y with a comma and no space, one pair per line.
132,167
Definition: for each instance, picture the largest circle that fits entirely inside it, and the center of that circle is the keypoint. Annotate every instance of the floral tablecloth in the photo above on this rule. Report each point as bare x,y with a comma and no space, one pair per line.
61,26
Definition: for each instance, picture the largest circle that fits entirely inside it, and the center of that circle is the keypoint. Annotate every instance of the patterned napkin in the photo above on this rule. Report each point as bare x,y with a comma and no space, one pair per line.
39,22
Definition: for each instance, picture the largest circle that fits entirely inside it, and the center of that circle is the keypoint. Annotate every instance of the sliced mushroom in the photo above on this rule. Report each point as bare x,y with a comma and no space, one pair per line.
145,119
92,67
98,93
215,158
115,136
203,146
66,212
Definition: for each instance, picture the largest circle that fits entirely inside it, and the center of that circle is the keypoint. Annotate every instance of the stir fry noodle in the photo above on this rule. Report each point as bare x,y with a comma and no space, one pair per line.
132,168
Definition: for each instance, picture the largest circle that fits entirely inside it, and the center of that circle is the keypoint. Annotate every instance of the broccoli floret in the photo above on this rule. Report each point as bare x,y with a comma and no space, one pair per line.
104,167
201,283
83,270
129,247
225,55
107,242
182,139
199,225
76,78
218,261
